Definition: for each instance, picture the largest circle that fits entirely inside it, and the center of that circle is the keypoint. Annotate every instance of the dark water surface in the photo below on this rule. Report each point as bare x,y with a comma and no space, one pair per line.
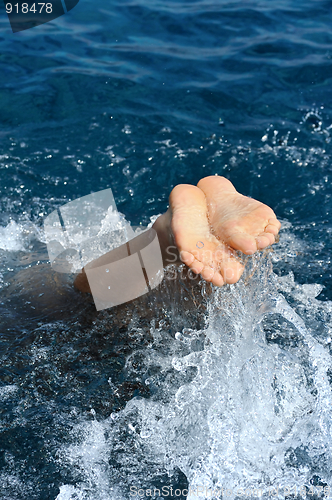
139,96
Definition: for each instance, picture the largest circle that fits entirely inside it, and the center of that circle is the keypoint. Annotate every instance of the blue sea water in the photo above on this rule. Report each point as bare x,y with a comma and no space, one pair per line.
139,96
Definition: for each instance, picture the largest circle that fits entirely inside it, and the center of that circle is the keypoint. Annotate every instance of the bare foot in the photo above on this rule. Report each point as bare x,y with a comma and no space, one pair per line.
198,247
241,222
211,220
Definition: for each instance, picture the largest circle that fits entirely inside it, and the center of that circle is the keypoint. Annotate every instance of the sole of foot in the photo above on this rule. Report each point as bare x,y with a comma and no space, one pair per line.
242,223
198,247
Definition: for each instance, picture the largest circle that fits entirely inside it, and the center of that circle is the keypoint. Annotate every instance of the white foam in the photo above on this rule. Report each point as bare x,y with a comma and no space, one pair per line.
11,237
256,416
7,390
69,492
90,460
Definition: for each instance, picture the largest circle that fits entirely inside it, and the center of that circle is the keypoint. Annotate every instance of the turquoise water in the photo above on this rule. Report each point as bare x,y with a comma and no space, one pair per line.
140,96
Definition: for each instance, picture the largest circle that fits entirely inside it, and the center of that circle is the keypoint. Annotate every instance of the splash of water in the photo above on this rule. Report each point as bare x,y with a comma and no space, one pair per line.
252,415
12,237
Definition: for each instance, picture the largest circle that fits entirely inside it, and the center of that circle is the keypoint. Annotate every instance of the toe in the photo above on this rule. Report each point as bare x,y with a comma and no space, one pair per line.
271,228
264,240
231,272
217,279
197,266
275,222
194,264
187,257
207,273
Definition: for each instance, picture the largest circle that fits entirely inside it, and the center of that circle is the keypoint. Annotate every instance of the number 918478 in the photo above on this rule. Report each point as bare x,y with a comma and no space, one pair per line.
36,8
